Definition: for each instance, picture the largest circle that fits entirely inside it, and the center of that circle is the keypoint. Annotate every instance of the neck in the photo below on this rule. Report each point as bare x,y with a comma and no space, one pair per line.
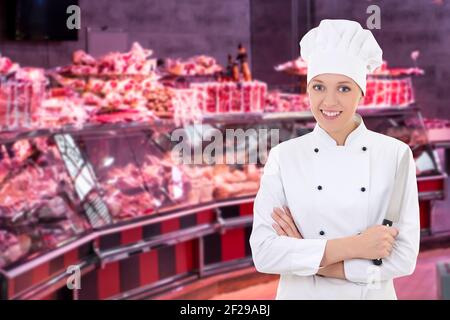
341,136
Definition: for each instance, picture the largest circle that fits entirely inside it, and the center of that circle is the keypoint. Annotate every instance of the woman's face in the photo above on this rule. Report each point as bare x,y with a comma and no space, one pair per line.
333,101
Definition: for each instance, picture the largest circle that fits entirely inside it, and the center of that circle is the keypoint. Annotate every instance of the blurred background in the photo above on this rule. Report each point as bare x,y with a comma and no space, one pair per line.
91,93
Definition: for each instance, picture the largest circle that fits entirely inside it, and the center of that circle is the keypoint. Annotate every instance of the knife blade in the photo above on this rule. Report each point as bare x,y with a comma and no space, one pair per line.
398,193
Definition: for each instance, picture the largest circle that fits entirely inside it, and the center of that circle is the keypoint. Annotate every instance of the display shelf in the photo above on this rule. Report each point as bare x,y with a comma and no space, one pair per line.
143,246
149,291
48,273
433,187
178,212
365,111
41,258
181,239
58,281
161,124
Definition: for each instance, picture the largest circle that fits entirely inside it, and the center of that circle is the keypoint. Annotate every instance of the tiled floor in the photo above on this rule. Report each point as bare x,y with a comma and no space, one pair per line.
420,285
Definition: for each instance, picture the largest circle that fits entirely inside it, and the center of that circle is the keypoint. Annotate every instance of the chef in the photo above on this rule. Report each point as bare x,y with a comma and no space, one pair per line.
318,212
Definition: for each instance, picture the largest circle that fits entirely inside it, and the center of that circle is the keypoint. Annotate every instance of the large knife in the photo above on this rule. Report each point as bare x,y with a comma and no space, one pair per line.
398,192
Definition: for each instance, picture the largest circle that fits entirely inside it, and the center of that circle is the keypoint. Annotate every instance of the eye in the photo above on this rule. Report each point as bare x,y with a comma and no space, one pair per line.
344,89
318,87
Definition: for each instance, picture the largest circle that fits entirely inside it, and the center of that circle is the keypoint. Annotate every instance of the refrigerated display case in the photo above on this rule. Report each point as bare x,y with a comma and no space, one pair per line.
113,201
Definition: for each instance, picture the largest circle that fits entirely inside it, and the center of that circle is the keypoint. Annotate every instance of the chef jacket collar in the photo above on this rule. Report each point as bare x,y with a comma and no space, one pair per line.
323,137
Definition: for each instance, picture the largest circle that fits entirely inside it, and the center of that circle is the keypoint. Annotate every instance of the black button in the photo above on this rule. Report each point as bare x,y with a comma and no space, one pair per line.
363,189
316,150
319,187
321,232
364,148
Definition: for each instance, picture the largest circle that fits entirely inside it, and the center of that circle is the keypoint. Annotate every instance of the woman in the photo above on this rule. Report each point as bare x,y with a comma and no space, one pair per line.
323,196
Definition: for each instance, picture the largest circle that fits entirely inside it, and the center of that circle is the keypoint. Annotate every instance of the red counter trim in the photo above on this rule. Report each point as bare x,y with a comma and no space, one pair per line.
430,185
233,244
108,280
131,236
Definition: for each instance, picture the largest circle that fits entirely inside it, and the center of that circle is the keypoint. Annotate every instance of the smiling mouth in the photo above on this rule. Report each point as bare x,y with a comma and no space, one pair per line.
330,115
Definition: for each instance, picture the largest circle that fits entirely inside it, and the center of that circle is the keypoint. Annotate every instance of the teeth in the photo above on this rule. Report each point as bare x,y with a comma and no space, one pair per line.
331,114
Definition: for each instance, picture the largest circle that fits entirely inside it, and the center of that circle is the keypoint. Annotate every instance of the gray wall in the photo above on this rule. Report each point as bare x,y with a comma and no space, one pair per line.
270,30
172,28
276,29
408,25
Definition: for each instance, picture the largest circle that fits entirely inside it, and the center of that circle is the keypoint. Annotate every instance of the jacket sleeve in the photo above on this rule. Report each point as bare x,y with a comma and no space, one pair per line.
273,253
402,260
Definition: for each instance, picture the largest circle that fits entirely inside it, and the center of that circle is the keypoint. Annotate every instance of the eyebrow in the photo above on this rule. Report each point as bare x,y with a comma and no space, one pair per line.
316,80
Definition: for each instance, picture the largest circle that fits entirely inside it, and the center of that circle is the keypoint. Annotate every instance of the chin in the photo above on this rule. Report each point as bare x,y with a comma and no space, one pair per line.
335,127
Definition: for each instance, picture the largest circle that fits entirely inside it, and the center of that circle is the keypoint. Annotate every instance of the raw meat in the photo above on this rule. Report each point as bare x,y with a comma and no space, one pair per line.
12,248
226,97
197,65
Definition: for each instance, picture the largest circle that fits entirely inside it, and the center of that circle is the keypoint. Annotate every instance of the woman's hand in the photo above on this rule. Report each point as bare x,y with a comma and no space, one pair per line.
284,223
376,242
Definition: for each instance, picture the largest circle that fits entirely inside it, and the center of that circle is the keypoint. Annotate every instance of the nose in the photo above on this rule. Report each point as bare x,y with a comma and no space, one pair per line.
330,99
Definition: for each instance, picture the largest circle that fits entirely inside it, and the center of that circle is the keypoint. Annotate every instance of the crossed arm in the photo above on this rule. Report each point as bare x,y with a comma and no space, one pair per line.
280,249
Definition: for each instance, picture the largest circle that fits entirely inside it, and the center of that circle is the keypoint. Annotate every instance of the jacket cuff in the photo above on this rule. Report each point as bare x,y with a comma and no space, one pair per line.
310,253
359,270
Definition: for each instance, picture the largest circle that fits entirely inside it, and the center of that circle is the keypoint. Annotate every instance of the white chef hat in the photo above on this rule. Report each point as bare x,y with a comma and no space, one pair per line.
343,47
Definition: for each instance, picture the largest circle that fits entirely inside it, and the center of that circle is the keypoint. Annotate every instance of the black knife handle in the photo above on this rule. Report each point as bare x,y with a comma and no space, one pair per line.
388,223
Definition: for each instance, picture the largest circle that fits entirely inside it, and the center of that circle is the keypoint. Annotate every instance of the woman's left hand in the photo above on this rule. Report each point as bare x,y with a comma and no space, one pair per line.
284,223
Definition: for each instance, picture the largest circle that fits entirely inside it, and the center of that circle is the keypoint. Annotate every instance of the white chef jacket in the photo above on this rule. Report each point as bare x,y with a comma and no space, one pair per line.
334,191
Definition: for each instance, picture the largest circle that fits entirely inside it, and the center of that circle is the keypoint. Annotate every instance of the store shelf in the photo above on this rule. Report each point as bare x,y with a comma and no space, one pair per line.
42,258
365,111
169,239
172,230
164,214
238,117
58,281
121,253
161,124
